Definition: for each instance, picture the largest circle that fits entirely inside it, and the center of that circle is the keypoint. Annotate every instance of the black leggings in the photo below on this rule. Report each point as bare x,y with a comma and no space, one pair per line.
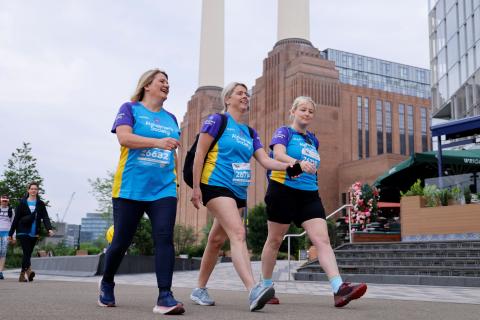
27,243
126,216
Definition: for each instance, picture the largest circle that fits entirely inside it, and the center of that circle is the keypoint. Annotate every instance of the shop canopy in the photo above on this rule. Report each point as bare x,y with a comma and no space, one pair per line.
425,165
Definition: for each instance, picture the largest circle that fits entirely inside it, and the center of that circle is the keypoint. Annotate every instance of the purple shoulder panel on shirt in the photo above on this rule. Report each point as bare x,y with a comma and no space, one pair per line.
257,144
280,136
124,116
212,125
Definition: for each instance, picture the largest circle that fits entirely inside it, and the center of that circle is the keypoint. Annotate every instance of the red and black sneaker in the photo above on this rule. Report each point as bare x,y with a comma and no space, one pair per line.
273,300
349,292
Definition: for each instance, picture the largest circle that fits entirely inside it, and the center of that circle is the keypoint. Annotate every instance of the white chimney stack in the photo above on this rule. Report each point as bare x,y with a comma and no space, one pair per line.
293,19
212,37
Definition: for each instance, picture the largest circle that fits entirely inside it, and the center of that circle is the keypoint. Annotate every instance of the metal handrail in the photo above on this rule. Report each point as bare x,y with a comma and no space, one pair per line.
290,235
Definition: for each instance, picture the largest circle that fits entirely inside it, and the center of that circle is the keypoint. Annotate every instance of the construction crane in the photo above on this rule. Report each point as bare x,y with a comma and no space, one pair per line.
66,208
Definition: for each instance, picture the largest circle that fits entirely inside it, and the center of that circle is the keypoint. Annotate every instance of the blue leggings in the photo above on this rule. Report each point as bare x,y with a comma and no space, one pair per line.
126,216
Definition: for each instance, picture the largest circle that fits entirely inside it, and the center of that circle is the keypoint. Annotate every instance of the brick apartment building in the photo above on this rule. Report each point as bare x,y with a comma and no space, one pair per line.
371,114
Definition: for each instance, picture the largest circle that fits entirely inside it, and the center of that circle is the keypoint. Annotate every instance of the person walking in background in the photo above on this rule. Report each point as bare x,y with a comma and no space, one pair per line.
220,183
297,200
6,216
29,214
145,182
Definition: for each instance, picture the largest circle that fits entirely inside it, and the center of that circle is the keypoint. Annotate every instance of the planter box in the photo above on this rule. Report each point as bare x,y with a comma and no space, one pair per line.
444,220
375,237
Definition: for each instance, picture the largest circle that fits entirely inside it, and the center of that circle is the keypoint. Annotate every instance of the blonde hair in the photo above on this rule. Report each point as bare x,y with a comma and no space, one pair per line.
144,81
298,101
228,90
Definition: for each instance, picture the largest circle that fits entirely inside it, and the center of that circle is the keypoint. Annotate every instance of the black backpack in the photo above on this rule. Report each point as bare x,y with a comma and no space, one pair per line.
188,164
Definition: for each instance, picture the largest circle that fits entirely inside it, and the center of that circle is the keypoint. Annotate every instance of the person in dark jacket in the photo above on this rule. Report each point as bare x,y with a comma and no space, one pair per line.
30,212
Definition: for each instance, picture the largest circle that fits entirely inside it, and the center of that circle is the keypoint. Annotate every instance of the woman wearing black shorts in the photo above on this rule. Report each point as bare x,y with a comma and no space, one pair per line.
297,200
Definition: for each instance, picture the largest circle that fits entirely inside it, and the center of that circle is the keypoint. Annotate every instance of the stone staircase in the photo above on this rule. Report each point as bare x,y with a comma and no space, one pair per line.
446,263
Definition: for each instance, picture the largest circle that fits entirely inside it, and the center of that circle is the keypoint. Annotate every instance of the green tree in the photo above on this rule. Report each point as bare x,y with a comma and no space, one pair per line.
21,169
258,231
142,243
102,191
183,238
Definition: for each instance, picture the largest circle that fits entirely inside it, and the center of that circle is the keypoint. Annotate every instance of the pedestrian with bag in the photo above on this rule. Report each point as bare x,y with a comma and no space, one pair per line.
221,175
29,214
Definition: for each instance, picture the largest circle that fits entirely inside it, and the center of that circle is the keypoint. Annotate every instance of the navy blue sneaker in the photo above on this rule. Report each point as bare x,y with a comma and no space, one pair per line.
106,298
1,276
166,304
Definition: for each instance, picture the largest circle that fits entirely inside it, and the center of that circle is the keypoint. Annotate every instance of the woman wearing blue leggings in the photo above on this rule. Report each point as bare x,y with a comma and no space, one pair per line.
145,182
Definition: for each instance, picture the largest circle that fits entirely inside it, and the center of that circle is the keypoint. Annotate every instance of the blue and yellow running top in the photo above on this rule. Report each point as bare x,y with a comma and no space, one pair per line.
301,147
146,174
228,163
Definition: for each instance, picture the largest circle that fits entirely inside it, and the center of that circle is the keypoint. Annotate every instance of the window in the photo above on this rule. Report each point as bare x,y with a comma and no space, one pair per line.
452,22
367,129
359,127
401,126
388,125
423,120
379,114
411,146
403,72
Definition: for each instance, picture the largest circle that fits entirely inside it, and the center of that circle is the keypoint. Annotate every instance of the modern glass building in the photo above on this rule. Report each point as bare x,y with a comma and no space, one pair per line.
454,27
380,74
93,227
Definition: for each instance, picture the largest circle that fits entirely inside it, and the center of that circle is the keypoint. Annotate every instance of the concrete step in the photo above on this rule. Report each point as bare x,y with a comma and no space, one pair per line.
408,253
400,270
421,262
395,279
471,244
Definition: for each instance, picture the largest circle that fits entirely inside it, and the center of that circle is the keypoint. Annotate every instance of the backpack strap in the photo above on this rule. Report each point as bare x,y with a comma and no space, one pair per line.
250,130
223,125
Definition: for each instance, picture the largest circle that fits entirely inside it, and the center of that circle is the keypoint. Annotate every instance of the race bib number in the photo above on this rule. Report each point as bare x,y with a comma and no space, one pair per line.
311,156
241,174
155,157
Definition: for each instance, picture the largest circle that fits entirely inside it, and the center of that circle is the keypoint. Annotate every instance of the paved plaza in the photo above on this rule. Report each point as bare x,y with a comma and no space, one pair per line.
55,297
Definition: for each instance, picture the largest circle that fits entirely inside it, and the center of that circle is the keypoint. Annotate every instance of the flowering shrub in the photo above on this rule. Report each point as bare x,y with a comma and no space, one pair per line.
364,200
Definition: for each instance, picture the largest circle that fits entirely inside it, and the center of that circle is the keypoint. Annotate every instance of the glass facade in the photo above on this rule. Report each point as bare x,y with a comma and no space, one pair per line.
367,128
379,116
388,125
93,227
411,142
423,121
379,74
359,127
401,127
454,28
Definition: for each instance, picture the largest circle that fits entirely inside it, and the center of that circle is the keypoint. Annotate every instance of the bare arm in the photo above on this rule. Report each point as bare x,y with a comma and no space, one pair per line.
269,163
204,142
128,139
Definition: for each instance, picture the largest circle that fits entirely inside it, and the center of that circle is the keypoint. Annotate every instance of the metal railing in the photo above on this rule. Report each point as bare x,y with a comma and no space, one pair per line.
291,235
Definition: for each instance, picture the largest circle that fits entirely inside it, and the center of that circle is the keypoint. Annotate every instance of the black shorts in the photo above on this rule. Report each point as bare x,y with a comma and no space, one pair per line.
211,192
285,204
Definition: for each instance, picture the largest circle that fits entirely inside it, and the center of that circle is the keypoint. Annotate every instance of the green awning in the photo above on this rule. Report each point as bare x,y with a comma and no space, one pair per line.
424,165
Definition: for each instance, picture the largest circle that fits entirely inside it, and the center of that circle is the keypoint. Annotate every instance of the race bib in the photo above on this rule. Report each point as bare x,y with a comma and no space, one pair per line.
155,157
311,156
241,174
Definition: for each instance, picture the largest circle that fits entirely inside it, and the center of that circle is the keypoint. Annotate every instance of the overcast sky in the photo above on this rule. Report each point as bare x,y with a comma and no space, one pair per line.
67,66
